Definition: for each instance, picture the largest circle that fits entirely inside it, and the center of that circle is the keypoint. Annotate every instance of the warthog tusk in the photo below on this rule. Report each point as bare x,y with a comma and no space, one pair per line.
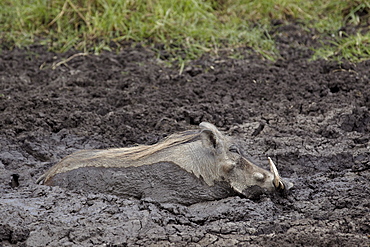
277,181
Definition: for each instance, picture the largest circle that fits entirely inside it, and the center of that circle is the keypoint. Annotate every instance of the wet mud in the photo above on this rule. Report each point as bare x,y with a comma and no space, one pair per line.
311,117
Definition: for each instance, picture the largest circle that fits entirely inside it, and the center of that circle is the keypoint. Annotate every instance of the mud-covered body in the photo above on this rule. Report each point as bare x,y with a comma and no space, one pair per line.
162,182
185,168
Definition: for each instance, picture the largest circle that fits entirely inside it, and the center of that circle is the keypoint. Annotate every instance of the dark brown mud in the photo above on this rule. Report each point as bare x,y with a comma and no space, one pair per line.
312,117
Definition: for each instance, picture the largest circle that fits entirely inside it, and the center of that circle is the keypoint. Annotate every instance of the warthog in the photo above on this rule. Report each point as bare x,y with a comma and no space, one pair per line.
186,168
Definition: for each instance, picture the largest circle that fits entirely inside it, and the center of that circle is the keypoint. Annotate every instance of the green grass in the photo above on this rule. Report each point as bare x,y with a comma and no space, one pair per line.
355,48
186,28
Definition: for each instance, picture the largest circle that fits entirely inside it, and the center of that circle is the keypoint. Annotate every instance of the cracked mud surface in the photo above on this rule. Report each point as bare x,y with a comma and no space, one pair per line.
311,117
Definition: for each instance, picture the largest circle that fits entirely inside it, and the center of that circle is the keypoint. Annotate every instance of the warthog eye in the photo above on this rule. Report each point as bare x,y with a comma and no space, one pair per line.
234,149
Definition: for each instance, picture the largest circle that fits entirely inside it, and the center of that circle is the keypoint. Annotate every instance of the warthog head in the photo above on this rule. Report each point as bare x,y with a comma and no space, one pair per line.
237,170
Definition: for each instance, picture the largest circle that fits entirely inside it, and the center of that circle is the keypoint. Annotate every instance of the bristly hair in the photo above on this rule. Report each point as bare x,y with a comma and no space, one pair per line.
141,151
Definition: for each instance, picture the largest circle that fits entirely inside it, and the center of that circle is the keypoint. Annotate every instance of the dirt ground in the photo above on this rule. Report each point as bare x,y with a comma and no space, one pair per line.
311,117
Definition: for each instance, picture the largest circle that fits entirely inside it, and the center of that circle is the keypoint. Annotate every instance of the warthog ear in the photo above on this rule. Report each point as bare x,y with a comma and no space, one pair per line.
209,139
211,127
211,136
